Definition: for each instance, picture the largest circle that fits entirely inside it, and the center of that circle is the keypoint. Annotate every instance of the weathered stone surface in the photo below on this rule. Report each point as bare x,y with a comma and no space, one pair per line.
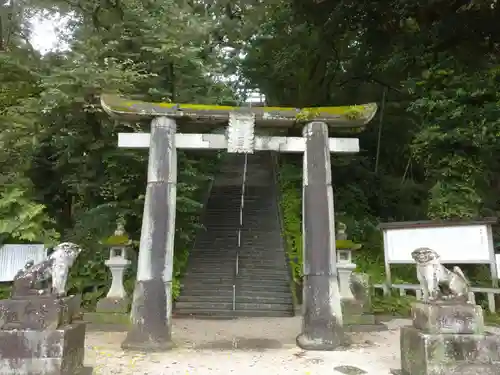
354,312
349,370
361,288
38,313
151,311
320,329
448,318
148,329
322,319
48,352
113,305
449,354
357,314
32,280
111,319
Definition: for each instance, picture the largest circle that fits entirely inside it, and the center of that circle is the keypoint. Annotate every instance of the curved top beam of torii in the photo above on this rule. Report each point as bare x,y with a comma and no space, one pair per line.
355,116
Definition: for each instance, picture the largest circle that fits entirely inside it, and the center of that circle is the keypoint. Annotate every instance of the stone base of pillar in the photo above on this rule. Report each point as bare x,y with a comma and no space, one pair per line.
112,313
149,328
322,325
113,305
358,319
357,311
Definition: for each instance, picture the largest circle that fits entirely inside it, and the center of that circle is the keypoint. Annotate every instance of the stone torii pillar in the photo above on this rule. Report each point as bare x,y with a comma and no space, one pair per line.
152,302
322,320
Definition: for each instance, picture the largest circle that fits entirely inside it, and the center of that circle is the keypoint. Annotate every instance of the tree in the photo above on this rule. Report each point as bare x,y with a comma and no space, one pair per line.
66,145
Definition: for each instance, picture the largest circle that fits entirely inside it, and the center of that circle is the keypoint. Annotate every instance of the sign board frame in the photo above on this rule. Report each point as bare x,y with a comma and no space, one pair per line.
485,224
497,258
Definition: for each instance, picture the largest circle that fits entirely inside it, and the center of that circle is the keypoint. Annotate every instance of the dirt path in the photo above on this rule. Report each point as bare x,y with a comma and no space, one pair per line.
245,346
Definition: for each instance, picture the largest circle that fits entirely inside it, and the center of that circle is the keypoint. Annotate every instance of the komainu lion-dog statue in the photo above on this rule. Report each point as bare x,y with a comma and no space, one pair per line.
31,279
439,283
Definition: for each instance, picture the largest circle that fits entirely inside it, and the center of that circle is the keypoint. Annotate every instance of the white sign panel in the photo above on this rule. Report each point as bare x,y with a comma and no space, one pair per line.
14,257
455,244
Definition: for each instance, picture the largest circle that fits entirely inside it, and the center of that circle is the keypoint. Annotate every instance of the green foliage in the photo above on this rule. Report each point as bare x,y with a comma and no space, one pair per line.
5,289
64,145
22,220
290,180
392,305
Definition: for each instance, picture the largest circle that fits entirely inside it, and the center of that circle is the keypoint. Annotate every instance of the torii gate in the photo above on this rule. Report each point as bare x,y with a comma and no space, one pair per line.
151,315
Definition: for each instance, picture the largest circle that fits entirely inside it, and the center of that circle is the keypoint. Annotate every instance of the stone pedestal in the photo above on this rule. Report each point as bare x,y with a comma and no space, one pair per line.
344,269
114,307
41,336
448,339
358,313
116,300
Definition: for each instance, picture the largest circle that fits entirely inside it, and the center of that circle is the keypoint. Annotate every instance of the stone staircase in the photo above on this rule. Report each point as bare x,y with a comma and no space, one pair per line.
261,284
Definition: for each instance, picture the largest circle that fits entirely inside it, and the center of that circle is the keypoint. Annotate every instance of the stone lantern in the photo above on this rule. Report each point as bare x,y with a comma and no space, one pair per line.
345,266
116,300
355,288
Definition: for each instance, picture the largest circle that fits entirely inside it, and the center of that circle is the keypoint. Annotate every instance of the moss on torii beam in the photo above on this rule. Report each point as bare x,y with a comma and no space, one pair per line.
355,116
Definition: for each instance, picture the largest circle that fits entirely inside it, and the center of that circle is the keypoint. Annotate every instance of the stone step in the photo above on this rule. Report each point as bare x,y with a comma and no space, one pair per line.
258,262
269,299
228,253
243,282
189,283
209,255
210,288
240,280
266,243
266,293
215,270
276,272
230,237
229,314
264,263
267,263
254,294
246,255
257,229
251,200
255,284
271,231
207,290
227,295
200,294
262,284
215,305
228,274
247,247
211,266
271,257
262,276
231,206
209,277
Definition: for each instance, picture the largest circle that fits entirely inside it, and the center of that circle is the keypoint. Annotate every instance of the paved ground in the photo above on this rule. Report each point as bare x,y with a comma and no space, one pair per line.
245,346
